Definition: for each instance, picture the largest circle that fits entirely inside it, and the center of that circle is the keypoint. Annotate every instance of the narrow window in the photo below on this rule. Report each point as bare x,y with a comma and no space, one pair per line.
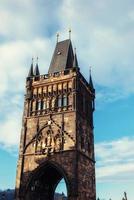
41,106
31,107
38,105
59,101
65,100
93,105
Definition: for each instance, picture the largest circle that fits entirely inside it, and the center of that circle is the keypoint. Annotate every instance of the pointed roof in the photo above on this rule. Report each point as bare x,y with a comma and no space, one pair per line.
31,70
63,57
91,82
36,70
75,61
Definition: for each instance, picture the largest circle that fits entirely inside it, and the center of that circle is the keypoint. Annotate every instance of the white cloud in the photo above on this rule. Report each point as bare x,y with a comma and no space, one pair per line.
115,160
13,71
10,130
104,39
103,33
27,19
15,62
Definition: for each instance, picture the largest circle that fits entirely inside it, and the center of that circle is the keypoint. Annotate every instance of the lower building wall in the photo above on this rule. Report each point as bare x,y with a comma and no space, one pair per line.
86,178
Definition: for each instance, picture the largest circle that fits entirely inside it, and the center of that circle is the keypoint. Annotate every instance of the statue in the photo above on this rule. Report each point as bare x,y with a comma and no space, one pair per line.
58,141
53,102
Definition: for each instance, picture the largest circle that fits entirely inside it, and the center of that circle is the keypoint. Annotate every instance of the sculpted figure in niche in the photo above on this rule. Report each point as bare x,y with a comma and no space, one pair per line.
48,103
53,101
48,139
58,141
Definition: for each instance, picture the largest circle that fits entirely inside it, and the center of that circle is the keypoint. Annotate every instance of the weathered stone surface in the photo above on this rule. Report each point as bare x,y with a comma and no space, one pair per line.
57,137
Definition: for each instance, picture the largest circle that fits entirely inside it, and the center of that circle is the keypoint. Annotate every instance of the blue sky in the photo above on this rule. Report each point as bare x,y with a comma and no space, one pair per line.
103,33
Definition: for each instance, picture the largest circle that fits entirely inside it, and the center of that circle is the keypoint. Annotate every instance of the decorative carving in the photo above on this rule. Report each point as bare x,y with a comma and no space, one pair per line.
58,141
48,103
48,142
53,102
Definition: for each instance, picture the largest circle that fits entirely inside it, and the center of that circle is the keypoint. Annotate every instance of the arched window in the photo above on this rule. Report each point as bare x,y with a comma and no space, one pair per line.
38,105
93,105
41,106
64,100
59,101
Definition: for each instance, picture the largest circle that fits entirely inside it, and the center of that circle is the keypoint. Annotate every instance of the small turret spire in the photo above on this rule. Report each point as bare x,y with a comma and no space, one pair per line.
36,70
90,79
75,62
125,195
30,74
70,33
57,35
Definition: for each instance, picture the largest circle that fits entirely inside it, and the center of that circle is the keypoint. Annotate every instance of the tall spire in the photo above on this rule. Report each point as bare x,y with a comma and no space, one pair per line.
90,80
36,70
30,74
75,62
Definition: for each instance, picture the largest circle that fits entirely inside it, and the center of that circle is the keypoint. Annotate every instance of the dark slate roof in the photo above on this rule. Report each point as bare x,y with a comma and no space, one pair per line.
75,61
30,74
91,82
36,70
63,57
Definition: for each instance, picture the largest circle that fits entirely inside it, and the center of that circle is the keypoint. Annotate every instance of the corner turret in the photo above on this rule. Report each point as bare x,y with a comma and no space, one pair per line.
36,70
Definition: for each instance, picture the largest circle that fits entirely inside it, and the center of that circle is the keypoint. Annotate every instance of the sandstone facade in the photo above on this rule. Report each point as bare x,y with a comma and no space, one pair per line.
57,138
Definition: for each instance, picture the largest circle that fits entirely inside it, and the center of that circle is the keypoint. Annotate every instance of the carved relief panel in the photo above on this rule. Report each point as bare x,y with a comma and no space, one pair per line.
49,141
51,137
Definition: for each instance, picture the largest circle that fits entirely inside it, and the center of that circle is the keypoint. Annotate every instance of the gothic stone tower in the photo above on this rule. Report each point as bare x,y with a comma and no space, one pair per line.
57,138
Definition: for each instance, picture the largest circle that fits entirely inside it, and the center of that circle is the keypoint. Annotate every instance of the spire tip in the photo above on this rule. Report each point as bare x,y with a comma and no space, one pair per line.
57,35
90,70
37,59
70,33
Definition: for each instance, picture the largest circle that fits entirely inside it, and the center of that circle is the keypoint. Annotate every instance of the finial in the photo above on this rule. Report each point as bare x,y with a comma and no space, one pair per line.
90,70
70,33
125,195
57,37
90,79
75,62
30,74
37,59
36,70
